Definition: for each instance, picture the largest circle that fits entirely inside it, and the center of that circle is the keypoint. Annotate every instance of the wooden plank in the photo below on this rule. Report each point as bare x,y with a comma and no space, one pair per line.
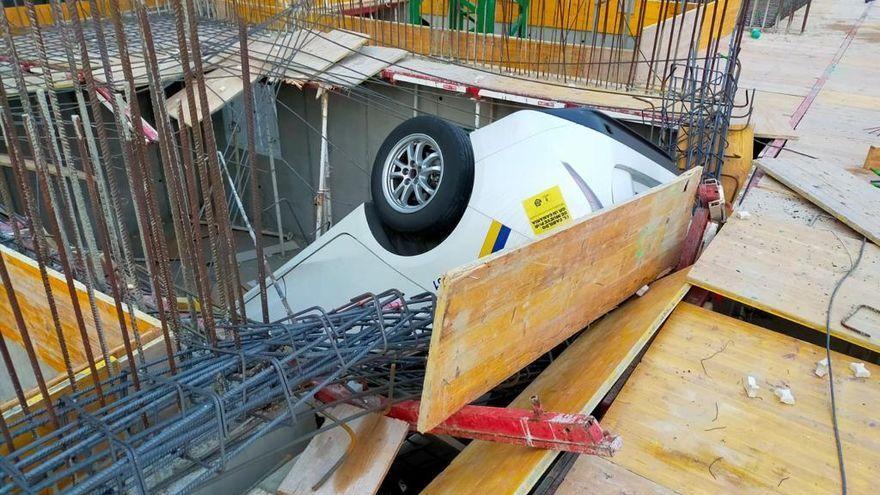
599,476
500,313
377,440
222,85
737,160
353,70
574,383
469,76
849,199
509,52
28,287
678,420
790,271
769,199
321,52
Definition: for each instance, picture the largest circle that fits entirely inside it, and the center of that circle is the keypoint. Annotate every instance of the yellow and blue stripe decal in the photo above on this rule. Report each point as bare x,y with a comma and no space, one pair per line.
496,238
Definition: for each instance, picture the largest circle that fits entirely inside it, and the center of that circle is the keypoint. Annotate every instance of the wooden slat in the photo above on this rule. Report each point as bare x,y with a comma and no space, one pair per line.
677,420
851,200
377,439
500,313
574,383
790,271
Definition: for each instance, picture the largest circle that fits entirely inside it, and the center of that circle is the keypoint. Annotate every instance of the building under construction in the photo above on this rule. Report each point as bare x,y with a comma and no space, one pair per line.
439,246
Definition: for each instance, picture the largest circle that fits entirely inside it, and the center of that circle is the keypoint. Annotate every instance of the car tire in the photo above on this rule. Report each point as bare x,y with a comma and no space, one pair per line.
423,176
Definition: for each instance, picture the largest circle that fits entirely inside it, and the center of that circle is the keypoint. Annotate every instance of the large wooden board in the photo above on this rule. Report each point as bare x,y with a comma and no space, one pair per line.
769,199
500,313
321,52
790,271
221,85
28,287
574,383
678,420
599,476
850,199
354,69
377,439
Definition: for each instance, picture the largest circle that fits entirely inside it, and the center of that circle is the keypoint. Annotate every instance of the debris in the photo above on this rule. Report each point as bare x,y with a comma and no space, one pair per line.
743,215
751,387
821,367
641,292
719,351
859,370
784,395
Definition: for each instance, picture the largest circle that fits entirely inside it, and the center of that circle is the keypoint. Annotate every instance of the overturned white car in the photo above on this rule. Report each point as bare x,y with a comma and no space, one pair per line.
443,198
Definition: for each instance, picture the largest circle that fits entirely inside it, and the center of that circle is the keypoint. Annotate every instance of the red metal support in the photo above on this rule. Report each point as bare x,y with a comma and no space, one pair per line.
709,196
580,433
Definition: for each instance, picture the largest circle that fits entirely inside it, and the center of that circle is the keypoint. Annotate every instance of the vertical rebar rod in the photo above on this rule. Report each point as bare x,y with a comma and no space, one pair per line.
256,203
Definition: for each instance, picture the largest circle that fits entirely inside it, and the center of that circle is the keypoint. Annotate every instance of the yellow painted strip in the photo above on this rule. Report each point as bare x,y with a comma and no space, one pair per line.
489,242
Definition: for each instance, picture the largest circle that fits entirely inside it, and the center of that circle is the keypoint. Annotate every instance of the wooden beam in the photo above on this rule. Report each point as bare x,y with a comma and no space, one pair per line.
848,198
790,271
363,465
500,313
574,383
689,427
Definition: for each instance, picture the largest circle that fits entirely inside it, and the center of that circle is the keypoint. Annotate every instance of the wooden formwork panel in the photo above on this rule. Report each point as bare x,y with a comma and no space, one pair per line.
689,427
500,313
790,271
574,383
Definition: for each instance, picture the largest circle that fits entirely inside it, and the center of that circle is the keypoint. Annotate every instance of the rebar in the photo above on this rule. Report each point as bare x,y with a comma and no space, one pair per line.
209,405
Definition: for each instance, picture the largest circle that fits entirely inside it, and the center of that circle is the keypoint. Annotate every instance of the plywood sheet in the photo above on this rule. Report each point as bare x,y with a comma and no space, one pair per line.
790,271
221,85
574,383
688,425
354,69
599,476
737,160
28,286
321,52
848,198
500,313
769,199
467,76
377,439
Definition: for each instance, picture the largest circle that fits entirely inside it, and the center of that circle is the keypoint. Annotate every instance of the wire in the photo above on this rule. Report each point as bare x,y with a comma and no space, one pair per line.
837,442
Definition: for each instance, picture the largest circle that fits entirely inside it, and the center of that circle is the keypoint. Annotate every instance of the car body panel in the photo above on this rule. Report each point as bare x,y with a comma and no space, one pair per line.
525,156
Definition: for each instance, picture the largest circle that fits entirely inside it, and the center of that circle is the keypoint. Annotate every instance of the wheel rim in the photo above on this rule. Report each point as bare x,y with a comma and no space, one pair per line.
412,173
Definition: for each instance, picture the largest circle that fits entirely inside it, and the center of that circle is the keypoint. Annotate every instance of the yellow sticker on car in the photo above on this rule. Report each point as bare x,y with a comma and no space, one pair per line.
547,210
